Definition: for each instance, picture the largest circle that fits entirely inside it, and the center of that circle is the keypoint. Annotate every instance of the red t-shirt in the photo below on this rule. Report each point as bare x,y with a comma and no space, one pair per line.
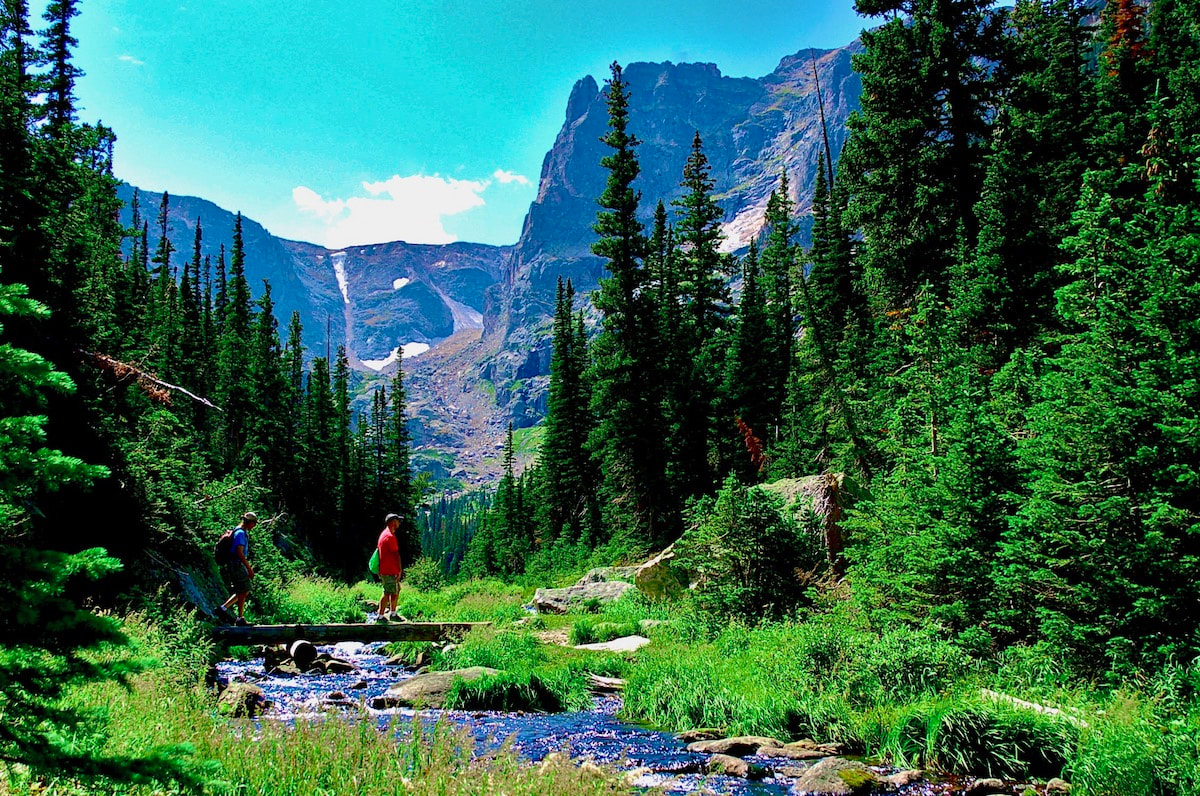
389,553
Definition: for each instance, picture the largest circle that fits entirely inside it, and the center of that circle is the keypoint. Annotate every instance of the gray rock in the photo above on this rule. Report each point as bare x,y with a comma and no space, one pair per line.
699,734
826,496
658,578
1058,786
983,787
285,669
427,690
242,700
793,754
735,767
739,746
836,776
560,601
605,574
339,666
902,779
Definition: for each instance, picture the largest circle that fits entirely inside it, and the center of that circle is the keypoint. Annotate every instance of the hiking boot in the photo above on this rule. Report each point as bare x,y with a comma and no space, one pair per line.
222,615
381,619
241,622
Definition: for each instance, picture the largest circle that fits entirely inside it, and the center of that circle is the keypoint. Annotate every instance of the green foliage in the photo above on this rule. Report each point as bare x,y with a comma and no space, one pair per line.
752,560
470,601
588,630
425,575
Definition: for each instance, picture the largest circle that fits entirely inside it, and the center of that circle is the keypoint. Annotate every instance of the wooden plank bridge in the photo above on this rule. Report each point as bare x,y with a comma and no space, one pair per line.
328,634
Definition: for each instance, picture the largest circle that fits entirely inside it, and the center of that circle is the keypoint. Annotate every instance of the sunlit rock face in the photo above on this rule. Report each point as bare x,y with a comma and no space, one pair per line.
752,129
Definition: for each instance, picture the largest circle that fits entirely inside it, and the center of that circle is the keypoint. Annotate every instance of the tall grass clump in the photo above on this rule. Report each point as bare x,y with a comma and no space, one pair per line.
527,679
1143,741
469,601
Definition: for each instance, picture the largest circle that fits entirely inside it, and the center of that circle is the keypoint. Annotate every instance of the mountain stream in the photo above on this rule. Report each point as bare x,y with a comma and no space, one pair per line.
660,759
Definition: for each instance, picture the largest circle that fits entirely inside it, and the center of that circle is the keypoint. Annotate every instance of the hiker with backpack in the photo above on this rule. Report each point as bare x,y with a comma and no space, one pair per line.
391,569
232,555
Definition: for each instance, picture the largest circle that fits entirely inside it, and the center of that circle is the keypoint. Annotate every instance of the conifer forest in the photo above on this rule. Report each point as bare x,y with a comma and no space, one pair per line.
988,345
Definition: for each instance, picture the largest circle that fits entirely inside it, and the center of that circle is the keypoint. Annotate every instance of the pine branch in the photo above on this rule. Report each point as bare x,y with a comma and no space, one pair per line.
154,387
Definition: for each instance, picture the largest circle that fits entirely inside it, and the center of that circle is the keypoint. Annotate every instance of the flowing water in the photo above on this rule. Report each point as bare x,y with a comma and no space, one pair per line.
596,734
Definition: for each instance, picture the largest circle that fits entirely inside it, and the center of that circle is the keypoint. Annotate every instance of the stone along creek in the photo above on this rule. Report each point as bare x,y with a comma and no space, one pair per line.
649,758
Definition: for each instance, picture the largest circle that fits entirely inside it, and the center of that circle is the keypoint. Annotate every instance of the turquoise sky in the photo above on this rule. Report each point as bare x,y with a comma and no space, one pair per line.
362,121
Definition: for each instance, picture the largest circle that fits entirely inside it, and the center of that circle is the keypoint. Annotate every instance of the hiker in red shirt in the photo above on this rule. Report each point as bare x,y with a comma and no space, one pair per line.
391,570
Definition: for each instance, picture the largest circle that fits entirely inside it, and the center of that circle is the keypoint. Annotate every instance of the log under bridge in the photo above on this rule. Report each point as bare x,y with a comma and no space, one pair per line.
332,633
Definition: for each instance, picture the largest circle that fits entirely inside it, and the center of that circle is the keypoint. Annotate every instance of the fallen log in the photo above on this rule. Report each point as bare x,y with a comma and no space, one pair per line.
332,633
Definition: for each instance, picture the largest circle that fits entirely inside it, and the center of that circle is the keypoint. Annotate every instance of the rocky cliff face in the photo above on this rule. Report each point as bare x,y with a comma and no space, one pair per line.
752,129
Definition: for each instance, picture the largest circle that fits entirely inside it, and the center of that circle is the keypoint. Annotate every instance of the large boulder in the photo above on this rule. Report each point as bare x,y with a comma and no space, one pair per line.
623,644
735,767
427,690
242,700
559,601
658,578
739,746
604,574
836,776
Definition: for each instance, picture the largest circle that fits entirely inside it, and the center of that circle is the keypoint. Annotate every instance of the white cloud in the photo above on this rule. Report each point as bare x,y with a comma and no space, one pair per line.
410,209
508,176
129,59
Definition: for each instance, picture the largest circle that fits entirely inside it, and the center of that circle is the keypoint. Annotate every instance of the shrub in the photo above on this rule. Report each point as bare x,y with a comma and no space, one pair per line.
425,575
751,559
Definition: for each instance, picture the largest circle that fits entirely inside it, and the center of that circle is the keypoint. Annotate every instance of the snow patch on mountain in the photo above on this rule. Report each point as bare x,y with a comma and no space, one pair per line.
406,351
339,270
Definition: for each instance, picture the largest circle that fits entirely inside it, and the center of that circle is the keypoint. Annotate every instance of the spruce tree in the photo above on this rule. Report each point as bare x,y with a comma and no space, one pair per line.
693,388
50,644
628,441
569,478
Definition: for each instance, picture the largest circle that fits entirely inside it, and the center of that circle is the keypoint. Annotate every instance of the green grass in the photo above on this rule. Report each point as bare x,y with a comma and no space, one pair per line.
527,441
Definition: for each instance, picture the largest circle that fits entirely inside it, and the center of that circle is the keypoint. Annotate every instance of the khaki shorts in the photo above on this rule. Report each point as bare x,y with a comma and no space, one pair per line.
237,578
391,584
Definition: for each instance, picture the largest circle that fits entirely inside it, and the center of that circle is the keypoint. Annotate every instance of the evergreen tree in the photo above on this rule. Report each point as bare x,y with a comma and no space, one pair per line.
234,388
1003,295
703,295
1103,554
62,73
400,494
628,439
270,431
570,502
748,382
50,645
